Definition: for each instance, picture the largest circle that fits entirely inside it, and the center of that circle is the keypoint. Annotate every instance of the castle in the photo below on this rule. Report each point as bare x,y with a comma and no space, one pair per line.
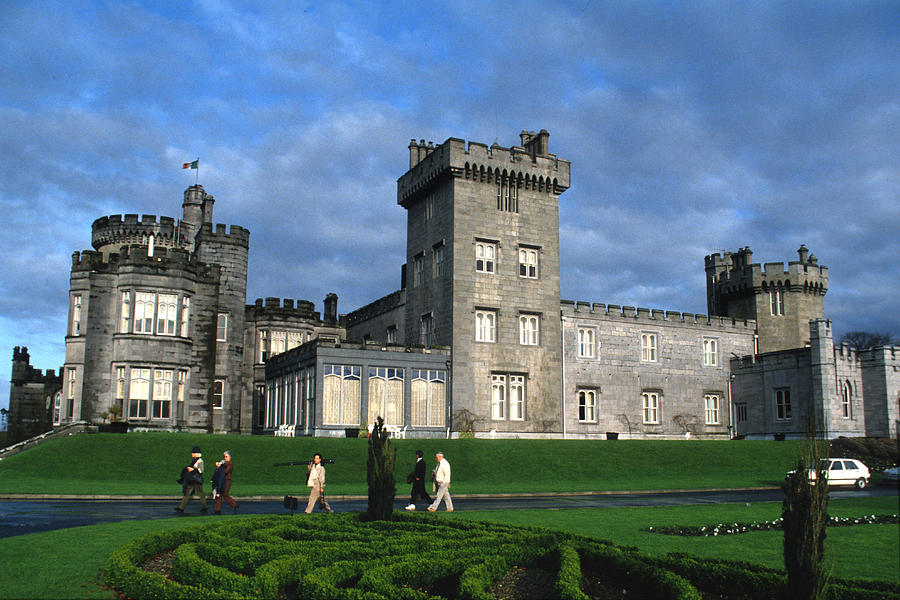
476,340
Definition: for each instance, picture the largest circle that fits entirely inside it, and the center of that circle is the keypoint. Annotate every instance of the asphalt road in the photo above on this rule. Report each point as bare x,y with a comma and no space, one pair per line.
31,516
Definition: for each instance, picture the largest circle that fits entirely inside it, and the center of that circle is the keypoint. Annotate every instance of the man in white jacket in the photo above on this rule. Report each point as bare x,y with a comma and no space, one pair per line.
442,478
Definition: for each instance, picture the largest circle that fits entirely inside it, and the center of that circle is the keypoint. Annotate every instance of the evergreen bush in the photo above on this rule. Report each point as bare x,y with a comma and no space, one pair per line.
380,472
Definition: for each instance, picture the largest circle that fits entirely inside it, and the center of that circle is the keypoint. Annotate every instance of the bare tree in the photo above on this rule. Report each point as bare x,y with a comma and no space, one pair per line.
466,421
688,423
869,339
624,420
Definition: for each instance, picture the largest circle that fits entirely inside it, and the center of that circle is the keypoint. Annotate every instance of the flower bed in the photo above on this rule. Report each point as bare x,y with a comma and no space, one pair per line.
736,528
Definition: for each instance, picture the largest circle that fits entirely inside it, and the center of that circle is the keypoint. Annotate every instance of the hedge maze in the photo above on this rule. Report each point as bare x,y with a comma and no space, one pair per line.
416,557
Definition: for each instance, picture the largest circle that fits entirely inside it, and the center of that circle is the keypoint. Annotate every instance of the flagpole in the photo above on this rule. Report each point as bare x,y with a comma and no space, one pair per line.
197,181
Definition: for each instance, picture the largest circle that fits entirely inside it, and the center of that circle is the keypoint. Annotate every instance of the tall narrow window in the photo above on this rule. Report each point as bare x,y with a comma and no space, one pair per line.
120,388
181,390
341,396
386,395
783,404
57,409
218,395
185,315
650,402
126,312
418,270
144,308
139,393
587,343
263,353
390,334
426,330
710,352
528,330
528,263
70,395
76,315
162,393
165,314
776,300
279,342
222,327
516,397
648,347
587,406
438,266
294,339
498,397
847,400
485,326
711,406
485,255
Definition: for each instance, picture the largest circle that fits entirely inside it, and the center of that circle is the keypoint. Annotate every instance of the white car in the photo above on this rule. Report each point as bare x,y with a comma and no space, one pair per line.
844,471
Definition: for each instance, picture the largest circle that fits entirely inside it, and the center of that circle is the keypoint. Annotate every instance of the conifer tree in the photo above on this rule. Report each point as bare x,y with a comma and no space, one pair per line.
805,516
380,471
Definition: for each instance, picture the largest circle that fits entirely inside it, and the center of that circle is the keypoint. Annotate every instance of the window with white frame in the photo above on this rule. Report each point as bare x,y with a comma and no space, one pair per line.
166,312
185,315
218,393
120,384
650,408
710,352
279,342
508,396
139,393
529,330
76,315
648,347
70,394
711,407
181,388
438,260
162,393
386,395
263,346
426,330
776,300
125,325
846,400
587,342
587,406
418,270
428,401
783,404
294,339
261,405
341,395
528,263
485,325
222,327
485,255
57,409
144,309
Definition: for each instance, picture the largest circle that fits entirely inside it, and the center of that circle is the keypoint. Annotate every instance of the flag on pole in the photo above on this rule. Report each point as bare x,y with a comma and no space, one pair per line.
191,165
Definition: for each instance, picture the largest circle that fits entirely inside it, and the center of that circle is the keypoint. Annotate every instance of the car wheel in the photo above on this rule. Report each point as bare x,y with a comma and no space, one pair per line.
860,484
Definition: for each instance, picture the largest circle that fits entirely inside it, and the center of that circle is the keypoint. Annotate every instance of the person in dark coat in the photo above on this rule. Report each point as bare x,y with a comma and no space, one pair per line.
192,476
417,479
222,483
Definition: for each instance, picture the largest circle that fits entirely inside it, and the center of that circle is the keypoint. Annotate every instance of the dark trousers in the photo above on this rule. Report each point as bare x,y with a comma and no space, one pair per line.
224,496
189,490
418,492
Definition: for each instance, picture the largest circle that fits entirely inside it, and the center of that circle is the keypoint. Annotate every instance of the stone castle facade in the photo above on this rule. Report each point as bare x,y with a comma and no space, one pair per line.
476,340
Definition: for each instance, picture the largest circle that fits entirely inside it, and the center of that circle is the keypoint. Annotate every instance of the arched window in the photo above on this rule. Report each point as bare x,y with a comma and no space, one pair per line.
847,400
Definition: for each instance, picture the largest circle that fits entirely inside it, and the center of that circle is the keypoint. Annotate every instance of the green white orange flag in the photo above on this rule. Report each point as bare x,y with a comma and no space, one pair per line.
191,165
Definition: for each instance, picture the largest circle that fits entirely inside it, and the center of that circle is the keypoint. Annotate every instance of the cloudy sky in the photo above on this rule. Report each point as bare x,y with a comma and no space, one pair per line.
692,128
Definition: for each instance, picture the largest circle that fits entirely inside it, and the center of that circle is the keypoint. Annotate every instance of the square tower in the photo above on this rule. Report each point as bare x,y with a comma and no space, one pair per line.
483,275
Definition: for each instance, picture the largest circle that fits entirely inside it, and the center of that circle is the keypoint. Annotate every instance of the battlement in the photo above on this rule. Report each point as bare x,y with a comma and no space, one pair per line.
287,308
237,235
736,273
138,256
23,372
119,230
530,166
575,309
378,307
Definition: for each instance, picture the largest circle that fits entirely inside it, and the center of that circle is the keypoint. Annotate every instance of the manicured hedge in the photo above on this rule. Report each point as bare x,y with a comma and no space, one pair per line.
416,557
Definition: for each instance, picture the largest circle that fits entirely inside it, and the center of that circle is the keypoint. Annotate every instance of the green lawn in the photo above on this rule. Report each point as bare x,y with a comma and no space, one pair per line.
149,463
68,563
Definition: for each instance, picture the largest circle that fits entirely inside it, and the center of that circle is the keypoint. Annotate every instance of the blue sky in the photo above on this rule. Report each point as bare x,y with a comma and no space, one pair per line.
692,128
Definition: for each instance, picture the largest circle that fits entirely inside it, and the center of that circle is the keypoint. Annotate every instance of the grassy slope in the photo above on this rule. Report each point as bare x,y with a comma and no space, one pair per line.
68,563
149,463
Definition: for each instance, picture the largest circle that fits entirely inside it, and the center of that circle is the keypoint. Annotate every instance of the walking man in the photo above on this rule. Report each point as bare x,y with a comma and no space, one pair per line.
193,481
442,478
223,492
316,483
417,479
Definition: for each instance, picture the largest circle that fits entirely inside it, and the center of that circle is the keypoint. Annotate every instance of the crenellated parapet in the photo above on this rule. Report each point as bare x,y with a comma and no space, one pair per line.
576,309
529,167
140,256
735,275
221,234
281,309
116,230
